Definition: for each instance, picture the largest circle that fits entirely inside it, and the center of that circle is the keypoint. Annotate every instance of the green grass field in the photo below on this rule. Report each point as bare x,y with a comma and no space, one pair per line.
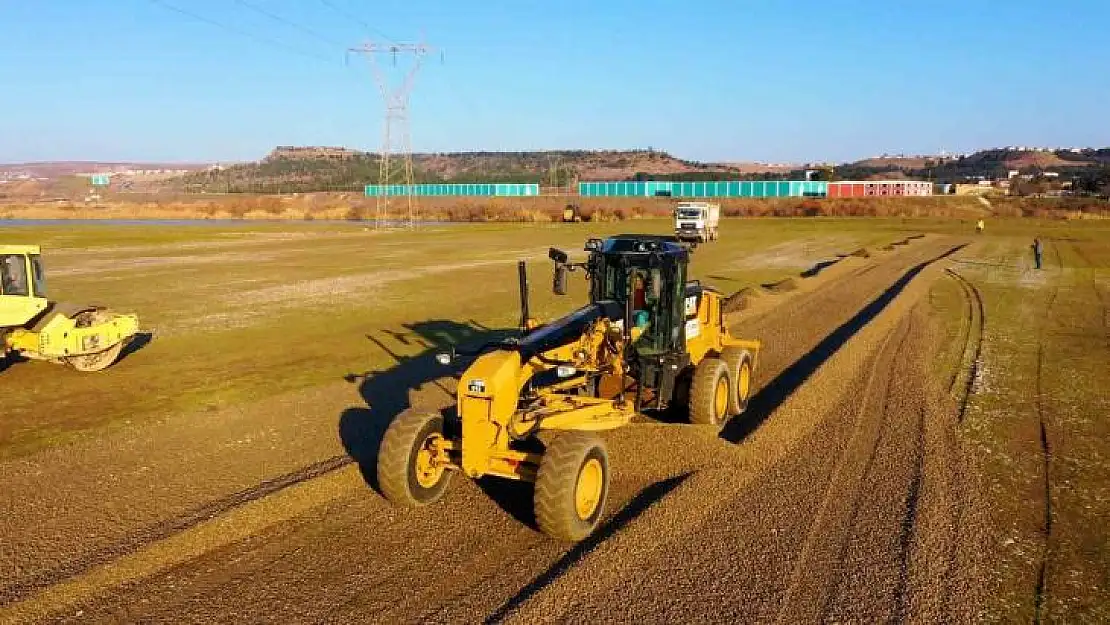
1036,418
241,312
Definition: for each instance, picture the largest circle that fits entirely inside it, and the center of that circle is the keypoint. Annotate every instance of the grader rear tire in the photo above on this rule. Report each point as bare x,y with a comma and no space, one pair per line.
571,486
407,475
710,393
741,365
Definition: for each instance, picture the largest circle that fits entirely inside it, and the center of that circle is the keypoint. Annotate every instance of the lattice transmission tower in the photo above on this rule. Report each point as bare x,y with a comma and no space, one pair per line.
395,158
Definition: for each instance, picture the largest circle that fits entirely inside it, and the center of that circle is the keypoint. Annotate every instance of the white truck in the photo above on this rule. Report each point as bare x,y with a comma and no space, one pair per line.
696,221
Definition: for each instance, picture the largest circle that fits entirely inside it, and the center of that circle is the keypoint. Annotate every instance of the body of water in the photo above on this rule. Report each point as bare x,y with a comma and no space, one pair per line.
209,222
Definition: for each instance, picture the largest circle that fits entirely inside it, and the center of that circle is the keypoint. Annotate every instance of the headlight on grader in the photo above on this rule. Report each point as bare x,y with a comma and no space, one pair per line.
443,358
565,371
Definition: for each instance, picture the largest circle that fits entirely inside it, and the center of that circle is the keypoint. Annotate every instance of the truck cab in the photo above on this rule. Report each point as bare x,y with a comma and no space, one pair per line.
696,221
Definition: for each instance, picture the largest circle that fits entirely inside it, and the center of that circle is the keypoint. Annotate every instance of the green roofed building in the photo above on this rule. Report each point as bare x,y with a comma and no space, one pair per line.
455,189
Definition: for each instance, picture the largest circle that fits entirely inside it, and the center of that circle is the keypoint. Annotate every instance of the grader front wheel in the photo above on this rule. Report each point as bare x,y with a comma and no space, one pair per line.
571,486
411,469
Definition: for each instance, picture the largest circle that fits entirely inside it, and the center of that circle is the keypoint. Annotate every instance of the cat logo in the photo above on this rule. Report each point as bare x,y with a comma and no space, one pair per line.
476,386
691,305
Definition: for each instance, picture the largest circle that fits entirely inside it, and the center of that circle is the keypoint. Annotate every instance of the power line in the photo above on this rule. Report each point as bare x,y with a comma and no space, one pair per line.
242,33
355,18
278,18
396,138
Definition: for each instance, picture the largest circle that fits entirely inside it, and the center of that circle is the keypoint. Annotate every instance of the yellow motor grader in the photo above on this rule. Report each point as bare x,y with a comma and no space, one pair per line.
529,408
87,338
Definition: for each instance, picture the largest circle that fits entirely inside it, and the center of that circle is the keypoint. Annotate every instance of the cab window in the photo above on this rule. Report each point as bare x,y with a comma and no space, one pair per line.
39,276
13,275
661,319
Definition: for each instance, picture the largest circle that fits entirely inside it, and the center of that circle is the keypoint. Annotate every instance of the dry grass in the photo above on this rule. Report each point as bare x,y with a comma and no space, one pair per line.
340,206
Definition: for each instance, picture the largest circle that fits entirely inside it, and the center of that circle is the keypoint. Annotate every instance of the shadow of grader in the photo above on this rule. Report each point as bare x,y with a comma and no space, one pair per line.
387,392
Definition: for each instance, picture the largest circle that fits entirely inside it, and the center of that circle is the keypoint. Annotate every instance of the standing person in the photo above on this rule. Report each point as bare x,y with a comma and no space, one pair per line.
979,227
1037,252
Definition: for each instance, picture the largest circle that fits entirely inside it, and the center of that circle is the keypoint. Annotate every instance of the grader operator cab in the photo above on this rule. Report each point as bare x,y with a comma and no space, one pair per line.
87,338
529,407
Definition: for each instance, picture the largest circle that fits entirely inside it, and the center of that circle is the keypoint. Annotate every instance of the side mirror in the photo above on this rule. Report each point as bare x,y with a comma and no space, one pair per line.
557,255
559,284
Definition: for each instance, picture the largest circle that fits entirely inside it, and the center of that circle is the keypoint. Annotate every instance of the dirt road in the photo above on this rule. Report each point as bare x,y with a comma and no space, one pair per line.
841,495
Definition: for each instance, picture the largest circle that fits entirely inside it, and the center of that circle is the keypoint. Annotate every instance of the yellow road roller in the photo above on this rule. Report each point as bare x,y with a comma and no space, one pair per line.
87,338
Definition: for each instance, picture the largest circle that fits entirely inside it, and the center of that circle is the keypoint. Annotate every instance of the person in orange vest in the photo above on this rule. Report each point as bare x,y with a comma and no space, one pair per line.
641,317
979,227
639,294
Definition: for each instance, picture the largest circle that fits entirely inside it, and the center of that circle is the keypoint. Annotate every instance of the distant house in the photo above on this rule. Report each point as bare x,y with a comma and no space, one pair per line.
982,188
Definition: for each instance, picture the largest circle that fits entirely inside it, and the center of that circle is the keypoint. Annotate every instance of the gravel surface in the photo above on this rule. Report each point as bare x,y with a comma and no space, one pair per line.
841,495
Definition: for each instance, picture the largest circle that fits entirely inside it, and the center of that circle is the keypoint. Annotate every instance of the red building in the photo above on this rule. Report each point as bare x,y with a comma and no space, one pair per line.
879,188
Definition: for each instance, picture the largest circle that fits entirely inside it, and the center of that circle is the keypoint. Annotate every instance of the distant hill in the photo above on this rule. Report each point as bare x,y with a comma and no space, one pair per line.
577,164
317,169
898,162
322,168
58,169
993,163
1008,158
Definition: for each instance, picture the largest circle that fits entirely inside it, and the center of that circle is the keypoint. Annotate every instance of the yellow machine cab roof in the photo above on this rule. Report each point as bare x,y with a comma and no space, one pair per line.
19,249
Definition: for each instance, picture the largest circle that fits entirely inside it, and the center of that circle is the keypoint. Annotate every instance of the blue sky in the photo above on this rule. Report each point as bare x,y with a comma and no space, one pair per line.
729,80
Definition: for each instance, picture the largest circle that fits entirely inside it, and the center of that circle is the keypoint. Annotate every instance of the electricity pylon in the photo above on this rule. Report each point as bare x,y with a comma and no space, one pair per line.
395,159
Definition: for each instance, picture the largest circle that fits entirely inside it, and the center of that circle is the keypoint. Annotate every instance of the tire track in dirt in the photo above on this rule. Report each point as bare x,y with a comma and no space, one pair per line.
897,529
805,335
829,529
971,356
966,328
903,560
1041,590
132,542
639,503
970,362
909,517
